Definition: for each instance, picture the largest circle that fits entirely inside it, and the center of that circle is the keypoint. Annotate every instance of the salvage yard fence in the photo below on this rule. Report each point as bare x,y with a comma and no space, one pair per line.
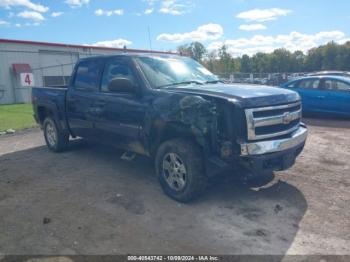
272,79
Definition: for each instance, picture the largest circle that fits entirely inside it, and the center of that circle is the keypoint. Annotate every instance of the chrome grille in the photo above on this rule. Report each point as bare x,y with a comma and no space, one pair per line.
273,121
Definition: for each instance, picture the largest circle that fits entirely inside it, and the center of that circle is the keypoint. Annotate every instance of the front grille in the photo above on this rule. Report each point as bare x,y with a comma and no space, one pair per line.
273,121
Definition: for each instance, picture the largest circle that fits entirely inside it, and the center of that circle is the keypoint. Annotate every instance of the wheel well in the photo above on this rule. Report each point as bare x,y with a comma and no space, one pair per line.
43,112
171,131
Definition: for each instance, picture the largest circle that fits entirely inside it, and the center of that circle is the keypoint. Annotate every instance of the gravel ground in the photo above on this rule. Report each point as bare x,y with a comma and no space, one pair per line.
88,201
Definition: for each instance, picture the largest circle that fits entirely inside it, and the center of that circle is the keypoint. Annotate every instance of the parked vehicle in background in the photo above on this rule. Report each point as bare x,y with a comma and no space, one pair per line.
174,110
330,73
323,94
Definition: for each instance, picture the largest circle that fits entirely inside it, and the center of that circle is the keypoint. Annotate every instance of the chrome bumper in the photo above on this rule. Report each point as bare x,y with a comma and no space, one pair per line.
298,137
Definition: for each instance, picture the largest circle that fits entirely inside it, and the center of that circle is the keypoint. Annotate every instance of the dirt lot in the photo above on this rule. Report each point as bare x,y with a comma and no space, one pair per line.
88,201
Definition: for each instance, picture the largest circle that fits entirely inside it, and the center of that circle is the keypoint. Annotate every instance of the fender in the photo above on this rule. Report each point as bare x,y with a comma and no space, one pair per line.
181,115
56,113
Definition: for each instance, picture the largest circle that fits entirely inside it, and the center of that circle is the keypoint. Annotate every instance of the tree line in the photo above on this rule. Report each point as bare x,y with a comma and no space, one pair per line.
331,56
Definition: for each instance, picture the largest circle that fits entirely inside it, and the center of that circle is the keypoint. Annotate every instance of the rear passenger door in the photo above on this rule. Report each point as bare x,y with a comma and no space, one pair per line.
81,95
338,95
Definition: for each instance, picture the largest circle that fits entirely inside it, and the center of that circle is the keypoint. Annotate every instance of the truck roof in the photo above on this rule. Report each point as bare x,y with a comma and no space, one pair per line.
139,54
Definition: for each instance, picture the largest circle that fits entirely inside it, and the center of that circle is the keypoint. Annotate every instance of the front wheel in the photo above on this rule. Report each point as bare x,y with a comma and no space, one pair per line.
56,141
179,166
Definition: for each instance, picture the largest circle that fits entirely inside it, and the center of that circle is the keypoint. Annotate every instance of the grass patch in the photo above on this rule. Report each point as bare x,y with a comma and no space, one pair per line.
19,116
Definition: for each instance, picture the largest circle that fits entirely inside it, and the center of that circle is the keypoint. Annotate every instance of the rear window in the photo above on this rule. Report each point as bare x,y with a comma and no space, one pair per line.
336,85
88,75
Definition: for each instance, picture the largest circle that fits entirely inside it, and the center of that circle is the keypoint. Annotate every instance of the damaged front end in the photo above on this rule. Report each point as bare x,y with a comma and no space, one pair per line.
200,115
204,119
180,115
220,127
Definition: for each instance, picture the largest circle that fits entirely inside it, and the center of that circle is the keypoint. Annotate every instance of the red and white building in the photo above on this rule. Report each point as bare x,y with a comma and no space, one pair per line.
24,64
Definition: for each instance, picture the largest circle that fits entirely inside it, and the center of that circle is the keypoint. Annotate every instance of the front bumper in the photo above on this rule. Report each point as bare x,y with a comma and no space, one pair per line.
258,157
297,138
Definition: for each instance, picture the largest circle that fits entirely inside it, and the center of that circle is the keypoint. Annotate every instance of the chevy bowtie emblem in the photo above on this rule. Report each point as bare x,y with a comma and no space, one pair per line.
287,118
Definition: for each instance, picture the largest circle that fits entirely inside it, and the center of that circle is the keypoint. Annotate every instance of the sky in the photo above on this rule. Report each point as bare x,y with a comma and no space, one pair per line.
244,26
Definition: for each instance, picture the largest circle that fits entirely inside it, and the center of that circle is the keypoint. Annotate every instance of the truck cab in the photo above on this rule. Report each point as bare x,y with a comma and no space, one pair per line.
175,111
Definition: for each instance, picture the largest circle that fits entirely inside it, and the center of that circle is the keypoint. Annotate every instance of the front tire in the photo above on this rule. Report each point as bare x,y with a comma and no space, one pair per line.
56,141
180,169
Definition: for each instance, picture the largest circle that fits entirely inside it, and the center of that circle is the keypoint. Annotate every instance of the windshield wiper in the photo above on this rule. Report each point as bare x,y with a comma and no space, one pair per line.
214,82
182,83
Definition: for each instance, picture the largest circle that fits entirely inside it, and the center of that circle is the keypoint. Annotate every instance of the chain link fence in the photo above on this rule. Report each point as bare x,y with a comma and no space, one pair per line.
272,79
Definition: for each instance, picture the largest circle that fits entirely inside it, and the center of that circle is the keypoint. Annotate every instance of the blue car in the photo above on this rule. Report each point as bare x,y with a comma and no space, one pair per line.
323,94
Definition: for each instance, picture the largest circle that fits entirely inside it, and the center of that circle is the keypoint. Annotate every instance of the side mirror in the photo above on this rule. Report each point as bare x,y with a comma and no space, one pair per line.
121,85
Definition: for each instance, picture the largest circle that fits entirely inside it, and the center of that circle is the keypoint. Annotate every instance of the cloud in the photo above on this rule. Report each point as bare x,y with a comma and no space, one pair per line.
25,3
148,11
32,24
27,24
2,22
262,15
342,41
252,27
56,14
150,2
77,3
117,43
174,7
100,12
293,41
202,33
35,16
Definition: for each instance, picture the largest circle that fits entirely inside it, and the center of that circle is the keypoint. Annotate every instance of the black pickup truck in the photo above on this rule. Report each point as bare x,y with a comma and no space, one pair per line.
172,109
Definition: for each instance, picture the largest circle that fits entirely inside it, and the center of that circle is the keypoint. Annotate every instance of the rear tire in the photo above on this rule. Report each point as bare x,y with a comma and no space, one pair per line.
180,169
56,141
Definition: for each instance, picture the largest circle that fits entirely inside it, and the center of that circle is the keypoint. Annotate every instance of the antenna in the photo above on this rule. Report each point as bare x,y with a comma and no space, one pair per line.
149,37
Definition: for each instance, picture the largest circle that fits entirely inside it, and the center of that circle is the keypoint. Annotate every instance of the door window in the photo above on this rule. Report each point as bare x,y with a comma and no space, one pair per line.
309,84
88,75
117,69
331,84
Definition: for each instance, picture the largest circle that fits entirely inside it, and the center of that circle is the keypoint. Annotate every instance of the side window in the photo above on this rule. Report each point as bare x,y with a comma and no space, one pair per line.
309,83
330,84
87,75
342,86
117,69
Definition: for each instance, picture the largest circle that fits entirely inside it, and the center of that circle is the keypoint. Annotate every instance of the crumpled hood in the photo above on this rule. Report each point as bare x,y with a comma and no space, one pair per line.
244,95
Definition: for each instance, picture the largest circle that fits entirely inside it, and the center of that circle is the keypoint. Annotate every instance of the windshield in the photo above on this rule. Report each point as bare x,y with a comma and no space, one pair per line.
164,72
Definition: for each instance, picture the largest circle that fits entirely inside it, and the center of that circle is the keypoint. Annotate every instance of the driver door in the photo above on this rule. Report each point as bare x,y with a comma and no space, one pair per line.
311,95
120,115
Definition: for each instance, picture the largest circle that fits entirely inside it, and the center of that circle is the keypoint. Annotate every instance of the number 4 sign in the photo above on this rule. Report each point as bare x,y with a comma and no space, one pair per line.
27,79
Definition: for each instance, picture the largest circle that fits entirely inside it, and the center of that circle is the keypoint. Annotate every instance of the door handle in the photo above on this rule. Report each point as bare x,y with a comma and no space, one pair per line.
320,96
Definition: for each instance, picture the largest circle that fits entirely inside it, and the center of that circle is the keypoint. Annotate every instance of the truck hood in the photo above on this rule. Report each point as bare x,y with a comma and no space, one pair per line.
243,95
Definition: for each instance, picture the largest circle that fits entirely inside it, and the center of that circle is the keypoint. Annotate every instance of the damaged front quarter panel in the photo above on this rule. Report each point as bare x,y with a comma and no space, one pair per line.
180,115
